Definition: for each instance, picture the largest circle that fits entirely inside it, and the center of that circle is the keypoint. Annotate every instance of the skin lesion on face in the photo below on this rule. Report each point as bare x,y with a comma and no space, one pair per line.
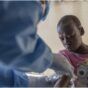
68,32
70,36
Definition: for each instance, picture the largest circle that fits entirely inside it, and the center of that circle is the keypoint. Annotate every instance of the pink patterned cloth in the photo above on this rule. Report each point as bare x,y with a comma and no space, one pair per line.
74,58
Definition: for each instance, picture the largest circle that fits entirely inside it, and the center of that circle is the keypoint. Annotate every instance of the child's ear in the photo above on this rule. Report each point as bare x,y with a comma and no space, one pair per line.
81,29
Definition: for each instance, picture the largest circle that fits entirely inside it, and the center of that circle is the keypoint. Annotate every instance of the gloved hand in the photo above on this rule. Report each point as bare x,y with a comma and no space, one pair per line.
42,81
64,68
60,63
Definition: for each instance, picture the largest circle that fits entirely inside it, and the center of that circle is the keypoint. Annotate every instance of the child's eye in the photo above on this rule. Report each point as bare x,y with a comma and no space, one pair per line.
72,36
62,38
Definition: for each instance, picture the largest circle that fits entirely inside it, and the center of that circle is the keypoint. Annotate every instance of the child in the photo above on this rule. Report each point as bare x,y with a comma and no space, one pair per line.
70,33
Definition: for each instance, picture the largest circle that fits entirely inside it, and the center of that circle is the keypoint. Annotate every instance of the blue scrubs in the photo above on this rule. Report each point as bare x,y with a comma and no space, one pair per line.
21,49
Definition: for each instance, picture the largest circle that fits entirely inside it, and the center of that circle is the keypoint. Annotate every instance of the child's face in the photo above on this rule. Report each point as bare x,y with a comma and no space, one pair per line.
70,36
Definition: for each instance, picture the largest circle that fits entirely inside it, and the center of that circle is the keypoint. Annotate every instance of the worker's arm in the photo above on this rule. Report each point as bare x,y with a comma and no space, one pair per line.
60,63
12,78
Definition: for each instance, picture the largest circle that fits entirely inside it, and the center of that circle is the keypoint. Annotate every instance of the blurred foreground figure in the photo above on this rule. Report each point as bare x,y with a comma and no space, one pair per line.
21,49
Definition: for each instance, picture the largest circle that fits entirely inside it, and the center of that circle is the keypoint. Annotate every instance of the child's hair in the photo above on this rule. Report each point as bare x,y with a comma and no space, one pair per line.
69,18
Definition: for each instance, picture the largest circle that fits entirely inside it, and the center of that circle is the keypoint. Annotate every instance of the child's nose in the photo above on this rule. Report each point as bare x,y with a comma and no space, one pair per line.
66,40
